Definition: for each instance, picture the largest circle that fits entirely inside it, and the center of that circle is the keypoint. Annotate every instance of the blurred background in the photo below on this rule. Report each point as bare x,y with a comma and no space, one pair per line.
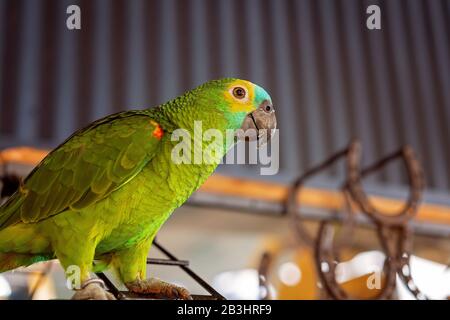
330,77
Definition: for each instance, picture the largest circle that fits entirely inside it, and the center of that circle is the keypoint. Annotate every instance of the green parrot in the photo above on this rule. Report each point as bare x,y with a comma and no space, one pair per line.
98,199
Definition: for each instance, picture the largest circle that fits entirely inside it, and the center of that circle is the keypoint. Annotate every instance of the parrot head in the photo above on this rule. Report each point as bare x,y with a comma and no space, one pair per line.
246,105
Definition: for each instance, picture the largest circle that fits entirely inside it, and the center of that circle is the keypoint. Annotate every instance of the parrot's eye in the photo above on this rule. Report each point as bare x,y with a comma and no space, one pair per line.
239,93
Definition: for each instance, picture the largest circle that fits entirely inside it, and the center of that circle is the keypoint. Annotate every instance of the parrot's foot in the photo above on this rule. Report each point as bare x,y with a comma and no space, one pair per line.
158,287
93,290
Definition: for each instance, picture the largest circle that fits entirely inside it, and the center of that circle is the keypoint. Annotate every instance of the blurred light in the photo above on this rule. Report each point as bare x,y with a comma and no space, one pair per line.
411,285
289,274
5,288
431,278
405,270
362,264
240,284
262,291
324,267
420,296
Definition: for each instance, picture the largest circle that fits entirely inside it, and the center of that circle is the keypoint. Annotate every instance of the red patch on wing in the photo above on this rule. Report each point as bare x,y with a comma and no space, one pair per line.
158,132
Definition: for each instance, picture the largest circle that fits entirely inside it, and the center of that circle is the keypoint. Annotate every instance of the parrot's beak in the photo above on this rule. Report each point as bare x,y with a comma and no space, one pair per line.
260,124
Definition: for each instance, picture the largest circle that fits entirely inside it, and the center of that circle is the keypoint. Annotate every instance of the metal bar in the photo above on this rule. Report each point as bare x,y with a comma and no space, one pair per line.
381,163
197,278
172,261
323,165
114,290
167,262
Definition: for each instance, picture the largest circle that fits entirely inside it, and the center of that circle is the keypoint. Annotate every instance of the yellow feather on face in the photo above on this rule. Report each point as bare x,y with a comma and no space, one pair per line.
247,104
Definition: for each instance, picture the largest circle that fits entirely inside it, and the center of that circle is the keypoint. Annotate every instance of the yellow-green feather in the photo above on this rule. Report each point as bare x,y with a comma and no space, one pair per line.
108,188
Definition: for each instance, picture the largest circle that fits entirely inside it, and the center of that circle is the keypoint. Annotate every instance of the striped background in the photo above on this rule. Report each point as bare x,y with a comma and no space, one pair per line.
331,79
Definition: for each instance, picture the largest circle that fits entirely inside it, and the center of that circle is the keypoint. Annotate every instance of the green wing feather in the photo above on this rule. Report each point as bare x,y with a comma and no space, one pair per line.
86,168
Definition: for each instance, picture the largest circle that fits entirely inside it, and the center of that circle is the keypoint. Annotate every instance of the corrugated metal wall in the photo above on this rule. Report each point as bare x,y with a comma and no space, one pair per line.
330,77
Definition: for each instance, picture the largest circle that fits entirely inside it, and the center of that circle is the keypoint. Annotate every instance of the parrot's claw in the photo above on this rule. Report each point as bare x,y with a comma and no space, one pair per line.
93,291
158,287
